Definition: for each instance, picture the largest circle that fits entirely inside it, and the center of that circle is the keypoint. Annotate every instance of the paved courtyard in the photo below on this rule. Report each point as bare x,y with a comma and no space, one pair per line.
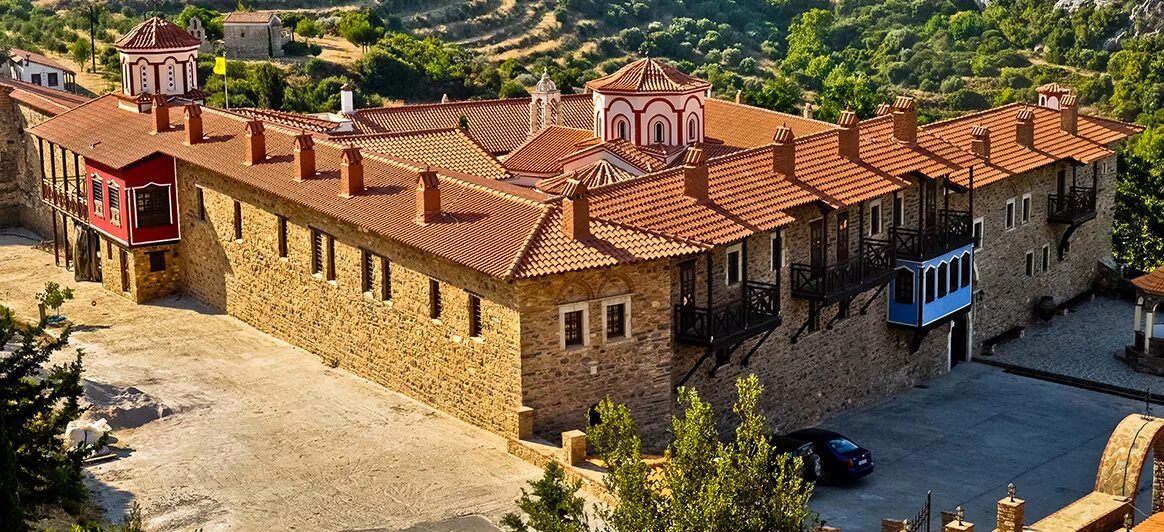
966,436
263,435
1081,345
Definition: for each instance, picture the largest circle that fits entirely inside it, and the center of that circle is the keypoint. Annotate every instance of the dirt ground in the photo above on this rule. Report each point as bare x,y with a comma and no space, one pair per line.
263,435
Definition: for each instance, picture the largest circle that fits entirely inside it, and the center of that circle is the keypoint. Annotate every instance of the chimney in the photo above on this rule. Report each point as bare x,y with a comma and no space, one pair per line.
695,175
808,111
905,119
849,136
444,98
351,172
193,114
1010,512
575,211
1024,129
1069,113
883,109
980,141
161,114
784,152
428,197
5,97
739,96
347,100
304,156
256,142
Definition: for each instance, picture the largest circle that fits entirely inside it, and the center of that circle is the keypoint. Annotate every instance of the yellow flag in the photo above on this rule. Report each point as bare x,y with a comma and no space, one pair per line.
220,65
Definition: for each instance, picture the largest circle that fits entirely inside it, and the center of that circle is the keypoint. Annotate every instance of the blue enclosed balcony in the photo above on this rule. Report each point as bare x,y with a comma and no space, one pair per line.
925,293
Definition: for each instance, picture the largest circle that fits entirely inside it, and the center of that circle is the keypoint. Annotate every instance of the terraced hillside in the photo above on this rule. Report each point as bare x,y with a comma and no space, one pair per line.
500,29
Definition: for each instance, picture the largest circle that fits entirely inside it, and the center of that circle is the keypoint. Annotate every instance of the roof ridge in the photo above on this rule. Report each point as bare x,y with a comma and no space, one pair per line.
772,112
458,103
976,114
527,245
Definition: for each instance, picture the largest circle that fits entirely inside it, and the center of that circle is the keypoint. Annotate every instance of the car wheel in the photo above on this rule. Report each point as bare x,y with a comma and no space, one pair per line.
825,478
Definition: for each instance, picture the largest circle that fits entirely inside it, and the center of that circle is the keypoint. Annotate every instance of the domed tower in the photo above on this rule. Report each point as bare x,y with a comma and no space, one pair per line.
545,105
1051,94
648,102
158,57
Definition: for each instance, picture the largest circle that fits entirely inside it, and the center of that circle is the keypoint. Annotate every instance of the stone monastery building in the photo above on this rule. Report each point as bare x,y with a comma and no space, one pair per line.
564,248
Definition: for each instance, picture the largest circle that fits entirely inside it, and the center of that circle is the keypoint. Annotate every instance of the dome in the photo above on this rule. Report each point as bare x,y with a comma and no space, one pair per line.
649,76
546,84
156,34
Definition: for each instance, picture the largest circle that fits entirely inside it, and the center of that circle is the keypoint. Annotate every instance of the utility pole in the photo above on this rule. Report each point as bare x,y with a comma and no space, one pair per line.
94,7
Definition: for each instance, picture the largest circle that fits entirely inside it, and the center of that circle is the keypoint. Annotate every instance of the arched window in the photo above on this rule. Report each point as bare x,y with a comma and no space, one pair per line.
620,128
930,285
954,271
943,278
659,133
903,286
966,264
145,82
692,127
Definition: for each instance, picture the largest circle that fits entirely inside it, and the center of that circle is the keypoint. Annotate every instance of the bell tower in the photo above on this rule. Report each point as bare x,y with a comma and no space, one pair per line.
158,57
545,106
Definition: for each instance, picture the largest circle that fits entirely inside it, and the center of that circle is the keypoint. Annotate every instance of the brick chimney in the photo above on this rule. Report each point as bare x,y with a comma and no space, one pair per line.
428,197
1024,128
5,97
883,109
256,143
980,141
1010,512
1069,113
304,156
849,136
575,211
784,152
905,119
351,172
161,114
193,114
695,175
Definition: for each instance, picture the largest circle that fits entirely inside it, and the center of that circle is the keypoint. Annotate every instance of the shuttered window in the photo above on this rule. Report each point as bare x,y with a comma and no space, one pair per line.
385,279
434,299
367,270
316,251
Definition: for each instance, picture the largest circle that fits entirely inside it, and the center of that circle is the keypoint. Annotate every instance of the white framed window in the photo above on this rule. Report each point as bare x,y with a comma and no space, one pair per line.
875,227
616,313
1046,257
1026,210
979,226
574,325
733,264
1010,214
777,258
622,128
1029,265
692,130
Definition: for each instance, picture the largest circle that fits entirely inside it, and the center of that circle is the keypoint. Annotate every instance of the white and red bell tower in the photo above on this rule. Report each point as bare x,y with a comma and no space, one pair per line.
649,103
158,57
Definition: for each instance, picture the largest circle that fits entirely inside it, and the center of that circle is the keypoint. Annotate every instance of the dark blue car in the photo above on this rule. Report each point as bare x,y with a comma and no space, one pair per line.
841,459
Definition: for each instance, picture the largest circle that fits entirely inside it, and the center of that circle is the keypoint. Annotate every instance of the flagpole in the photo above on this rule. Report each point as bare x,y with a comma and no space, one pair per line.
225,81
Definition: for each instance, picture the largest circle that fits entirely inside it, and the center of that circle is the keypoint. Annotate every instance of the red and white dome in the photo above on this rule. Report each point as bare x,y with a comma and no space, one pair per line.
158,57
649,103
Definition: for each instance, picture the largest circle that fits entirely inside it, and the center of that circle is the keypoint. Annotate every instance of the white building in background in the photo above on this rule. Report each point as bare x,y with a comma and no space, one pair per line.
37,69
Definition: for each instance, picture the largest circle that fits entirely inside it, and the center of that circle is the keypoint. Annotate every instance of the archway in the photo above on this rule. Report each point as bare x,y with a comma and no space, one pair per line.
1135,439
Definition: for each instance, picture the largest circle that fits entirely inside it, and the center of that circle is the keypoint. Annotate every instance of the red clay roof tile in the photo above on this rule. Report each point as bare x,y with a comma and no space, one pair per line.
17,54
541,154
648,76
50,101
449,149
156,34
1152,283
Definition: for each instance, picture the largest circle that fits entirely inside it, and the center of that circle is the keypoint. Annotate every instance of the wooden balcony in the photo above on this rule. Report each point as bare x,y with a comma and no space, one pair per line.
953,230
872,266
756,312
72,202
1074,207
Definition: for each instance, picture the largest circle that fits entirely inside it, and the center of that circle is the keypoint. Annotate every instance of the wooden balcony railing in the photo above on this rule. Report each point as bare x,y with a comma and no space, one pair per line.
953,230
1077,205
871,266
757,311
72,201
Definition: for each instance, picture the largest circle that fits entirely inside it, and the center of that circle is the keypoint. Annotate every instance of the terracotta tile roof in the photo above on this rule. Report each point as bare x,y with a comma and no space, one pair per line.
16,54
1152,283
930,155
842,181
747,197
49,101
595,175
1105,130
1007,157
1154,523
285,118
248,17
541,153
624,150
156,34
648,76
744,126
449,149
499,125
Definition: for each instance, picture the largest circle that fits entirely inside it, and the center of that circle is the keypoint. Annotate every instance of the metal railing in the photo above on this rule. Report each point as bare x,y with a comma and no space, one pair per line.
1077,204
953,230
758,309
872,265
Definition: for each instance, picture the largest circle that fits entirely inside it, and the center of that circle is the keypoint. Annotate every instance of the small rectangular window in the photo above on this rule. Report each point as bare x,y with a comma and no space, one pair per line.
1026,211
53,79
777,249
98,188
36,79
330,258
366,270
573,328
616,320
875,218
237,220
385,280
732,267
1010,214
157,261
201,199
1030,263
931,284
898,211
966,269
474,316
979,224
152,206
1046,257
316,252
108,249
282,234
434,299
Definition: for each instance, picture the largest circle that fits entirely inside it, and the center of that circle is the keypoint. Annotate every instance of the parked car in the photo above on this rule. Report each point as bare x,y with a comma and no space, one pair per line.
841,459
800,449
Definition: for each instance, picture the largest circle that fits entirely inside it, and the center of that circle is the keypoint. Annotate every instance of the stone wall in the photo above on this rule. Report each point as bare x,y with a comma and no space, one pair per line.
141,284
394,343
20,202
253,41
561,384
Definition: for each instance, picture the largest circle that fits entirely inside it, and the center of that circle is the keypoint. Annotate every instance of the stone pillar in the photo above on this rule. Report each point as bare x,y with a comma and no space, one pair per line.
1138,316
1158,480
574,447
892,525
1149,328
956,521
524,422
955,526
1010,512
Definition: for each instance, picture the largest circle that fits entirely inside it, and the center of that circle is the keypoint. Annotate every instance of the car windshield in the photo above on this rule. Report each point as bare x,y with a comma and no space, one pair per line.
842,446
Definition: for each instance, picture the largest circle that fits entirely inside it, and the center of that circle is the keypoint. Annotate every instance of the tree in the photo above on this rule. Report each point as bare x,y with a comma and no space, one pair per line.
806,39
291,21
556,508
512,89
81,51
308,29
211,20
843,90
268,84
36,403
358,29
778,94
1139,217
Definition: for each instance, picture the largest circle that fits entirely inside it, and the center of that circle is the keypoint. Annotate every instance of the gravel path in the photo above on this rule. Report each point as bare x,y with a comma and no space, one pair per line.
263,435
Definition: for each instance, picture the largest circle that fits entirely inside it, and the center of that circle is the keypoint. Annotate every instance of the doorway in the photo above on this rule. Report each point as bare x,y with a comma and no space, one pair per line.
960,340
124,265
